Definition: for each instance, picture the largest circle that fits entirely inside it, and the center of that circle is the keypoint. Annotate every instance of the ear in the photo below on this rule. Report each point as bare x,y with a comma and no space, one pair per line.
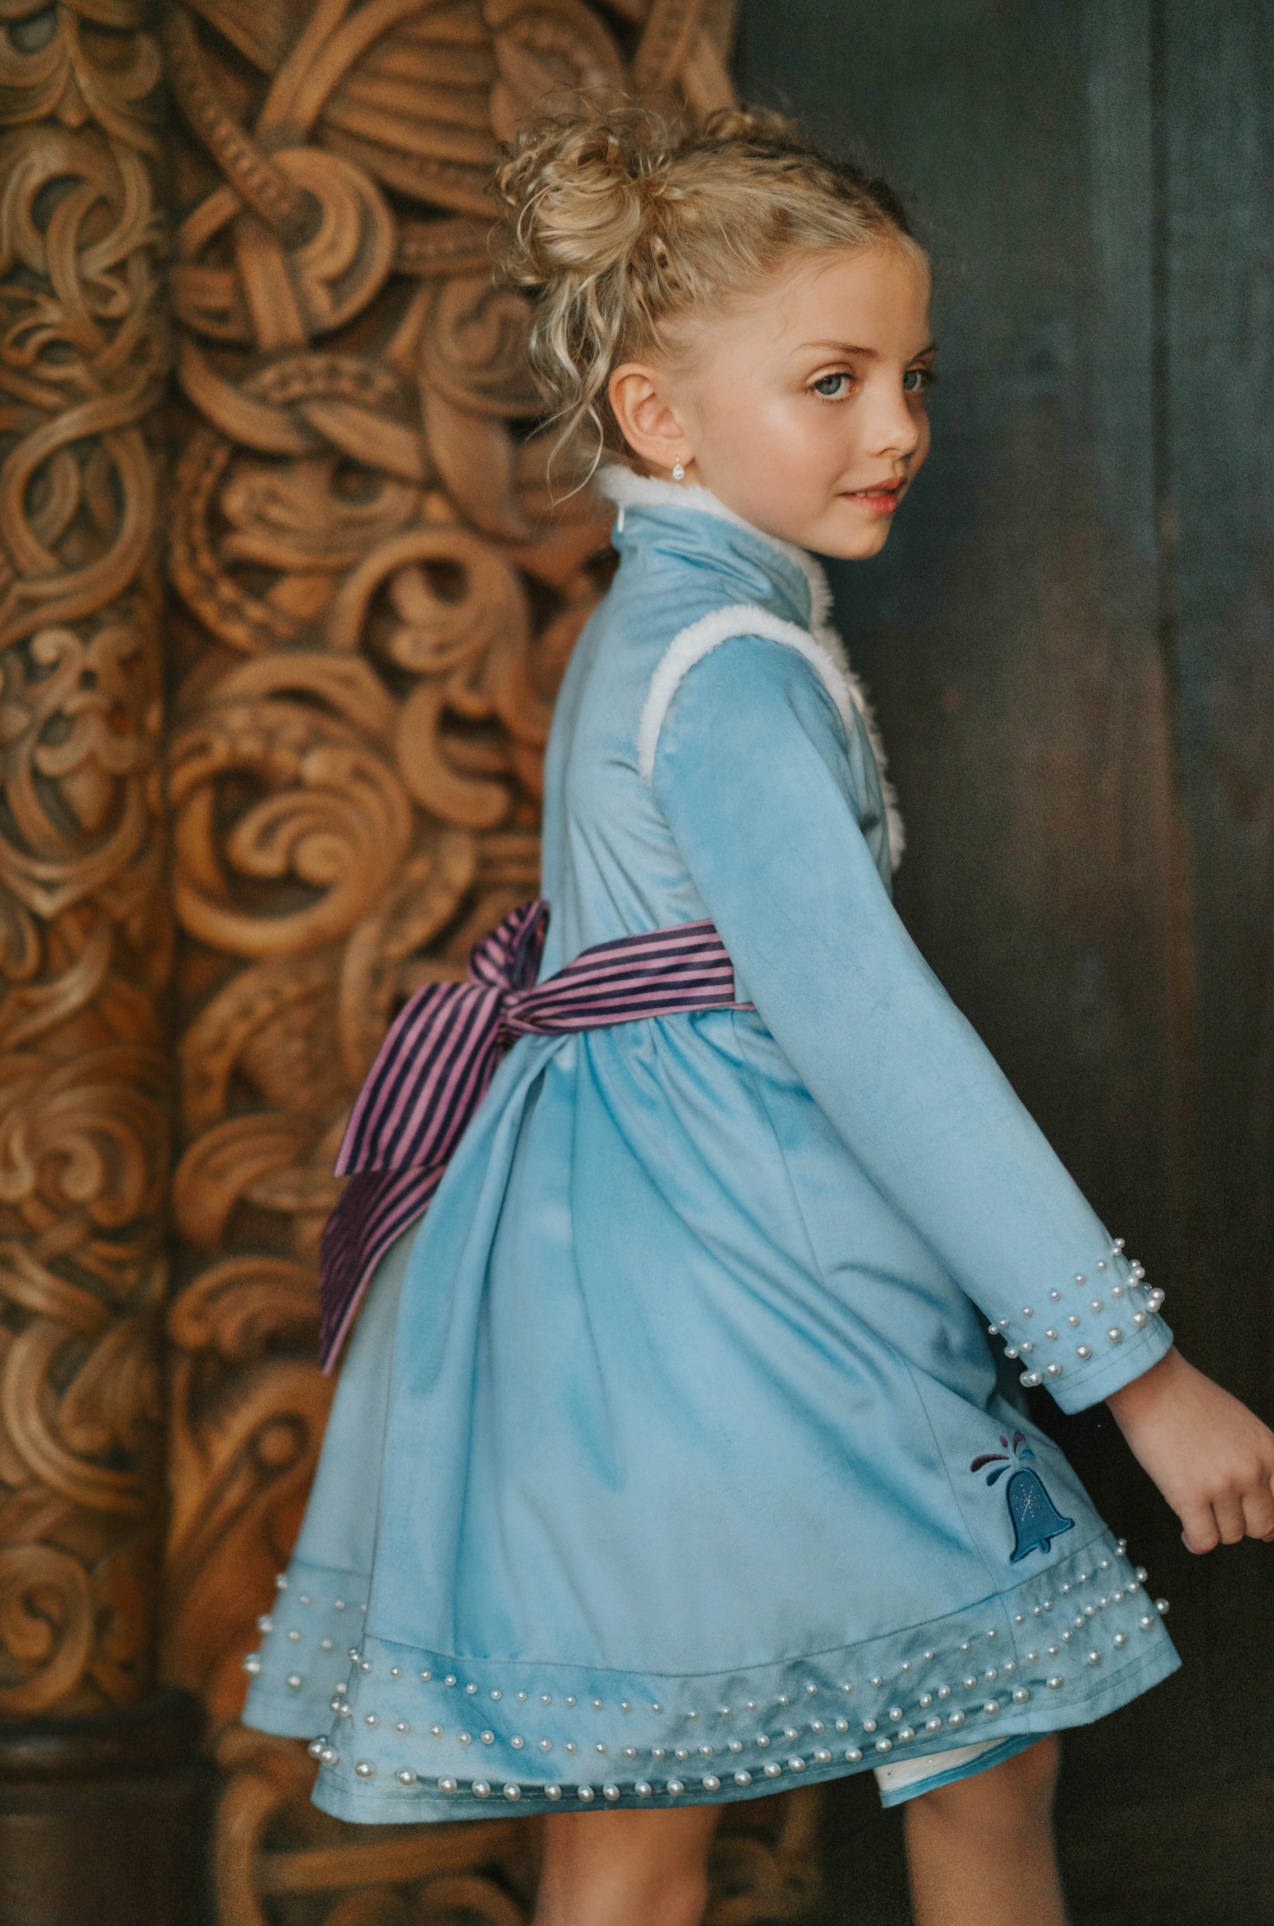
647,420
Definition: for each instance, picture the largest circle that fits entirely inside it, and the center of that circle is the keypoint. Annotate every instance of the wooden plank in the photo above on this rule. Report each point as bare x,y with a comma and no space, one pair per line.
1009,630
1218,299
1216,74
1069,639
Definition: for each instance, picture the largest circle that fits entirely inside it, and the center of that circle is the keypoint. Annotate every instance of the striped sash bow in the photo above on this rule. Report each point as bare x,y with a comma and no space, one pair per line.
441,1054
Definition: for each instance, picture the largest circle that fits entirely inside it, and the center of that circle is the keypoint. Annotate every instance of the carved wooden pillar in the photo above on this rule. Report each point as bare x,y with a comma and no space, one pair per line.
94,1772
375,599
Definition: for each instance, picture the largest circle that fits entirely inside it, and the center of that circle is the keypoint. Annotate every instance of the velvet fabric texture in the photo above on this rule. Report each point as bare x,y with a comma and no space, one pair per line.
671,1460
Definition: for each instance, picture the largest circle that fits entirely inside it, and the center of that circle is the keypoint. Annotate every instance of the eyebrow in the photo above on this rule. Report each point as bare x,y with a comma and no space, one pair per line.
868,354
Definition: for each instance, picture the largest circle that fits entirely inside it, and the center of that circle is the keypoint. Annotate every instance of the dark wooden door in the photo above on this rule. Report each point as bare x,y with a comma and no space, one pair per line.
1071,641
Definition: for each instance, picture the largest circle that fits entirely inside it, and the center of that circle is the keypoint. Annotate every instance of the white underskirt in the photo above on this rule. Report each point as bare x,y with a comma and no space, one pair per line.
931,1765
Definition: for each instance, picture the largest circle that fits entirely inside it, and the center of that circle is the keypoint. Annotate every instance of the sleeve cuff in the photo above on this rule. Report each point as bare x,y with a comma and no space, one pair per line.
1089,1383
1086,1340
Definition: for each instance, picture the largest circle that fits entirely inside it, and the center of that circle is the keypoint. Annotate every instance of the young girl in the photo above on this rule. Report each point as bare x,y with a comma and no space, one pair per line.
695,1476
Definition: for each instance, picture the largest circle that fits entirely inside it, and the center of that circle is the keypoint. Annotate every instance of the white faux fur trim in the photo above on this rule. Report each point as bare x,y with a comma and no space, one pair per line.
821,645
701,637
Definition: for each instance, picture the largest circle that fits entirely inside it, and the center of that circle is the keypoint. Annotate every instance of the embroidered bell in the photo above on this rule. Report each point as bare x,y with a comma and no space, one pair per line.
1036,1519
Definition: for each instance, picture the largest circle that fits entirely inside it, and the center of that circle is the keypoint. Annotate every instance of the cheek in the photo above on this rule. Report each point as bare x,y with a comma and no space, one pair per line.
747,421
800,439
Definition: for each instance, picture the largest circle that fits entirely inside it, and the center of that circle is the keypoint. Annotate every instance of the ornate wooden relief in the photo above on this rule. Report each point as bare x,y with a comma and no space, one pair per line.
377,595
83,931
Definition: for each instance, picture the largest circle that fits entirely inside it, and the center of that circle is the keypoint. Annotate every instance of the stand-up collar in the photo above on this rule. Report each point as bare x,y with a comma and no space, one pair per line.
689,522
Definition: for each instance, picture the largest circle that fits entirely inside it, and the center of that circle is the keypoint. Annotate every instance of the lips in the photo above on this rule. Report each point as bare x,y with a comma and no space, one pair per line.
880,499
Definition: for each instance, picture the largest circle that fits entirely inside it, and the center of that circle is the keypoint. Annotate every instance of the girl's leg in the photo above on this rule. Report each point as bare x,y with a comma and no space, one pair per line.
980,1851
625,1868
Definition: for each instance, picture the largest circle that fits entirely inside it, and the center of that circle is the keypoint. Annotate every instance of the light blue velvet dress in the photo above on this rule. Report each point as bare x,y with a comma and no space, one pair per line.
671,1460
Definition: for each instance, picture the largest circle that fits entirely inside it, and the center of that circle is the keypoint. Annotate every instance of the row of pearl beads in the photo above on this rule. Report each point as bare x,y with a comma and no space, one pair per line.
762,1740
365,1769
1054,1369
811,1690
265,1625
1114,1334
253,1665
327,1754
339,1705
1020,1695
783,1699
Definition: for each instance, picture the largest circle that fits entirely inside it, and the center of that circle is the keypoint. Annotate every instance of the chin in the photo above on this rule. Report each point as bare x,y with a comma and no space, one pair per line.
857,546
846,535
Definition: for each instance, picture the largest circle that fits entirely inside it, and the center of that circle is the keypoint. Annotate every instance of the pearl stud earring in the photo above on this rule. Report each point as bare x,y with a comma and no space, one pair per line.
678,472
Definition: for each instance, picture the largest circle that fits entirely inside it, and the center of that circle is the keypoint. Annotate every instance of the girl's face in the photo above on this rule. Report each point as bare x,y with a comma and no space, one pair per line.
802,406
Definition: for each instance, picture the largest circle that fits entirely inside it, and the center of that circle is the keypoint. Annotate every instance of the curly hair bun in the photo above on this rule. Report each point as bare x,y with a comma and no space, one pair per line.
576,193
620,225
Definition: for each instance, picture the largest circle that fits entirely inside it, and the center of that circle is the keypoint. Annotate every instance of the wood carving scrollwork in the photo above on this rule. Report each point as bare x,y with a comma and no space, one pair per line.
84,945
375,597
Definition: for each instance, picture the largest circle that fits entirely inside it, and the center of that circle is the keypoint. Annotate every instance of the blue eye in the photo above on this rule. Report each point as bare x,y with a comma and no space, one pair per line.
829,386
918,381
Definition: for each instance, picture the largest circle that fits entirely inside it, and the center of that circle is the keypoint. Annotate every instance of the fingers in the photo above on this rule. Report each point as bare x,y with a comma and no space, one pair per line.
1258,1511
1227,1509
1200,1533
1229,1518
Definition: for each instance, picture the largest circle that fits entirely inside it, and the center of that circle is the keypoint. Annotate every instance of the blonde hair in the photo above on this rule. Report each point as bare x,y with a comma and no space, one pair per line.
620,227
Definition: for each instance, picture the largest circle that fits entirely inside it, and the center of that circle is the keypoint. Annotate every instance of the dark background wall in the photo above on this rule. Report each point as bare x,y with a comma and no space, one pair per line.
1069,639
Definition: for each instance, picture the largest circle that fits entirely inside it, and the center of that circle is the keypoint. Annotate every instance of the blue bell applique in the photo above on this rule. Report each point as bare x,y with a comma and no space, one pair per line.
1036,1519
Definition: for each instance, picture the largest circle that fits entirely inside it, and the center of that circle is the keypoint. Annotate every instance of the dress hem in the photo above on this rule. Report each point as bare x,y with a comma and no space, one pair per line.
405,1734
409,1806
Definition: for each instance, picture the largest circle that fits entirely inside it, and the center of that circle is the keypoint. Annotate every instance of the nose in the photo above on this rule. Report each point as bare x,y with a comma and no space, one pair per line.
893,427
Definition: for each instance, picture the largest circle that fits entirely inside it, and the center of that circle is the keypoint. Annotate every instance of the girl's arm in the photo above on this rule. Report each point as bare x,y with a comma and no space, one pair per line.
752,773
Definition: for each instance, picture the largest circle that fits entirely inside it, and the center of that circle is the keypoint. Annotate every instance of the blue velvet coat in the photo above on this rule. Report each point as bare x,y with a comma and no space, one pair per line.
672,1460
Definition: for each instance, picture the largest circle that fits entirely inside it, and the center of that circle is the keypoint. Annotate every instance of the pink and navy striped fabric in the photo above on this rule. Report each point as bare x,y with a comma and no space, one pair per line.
440,1055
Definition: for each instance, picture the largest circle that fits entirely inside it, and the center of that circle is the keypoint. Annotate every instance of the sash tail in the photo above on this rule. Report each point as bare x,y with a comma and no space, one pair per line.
373,1210
436,1064
430,1074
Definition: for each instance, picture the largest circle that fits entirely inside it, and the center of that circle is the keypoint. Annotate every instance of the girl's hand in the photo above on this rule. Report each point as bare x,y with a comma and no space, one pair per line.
1210,1456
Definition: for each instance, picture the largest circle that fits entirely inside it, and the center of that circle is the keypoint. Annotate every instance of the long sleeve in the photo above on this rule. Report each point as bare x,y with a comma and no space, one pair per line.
752,775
